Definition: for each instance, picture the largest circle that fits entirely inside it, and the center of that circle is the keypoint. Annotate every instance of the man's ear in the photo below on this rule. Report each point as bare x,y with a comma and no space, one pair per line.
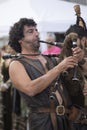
20,41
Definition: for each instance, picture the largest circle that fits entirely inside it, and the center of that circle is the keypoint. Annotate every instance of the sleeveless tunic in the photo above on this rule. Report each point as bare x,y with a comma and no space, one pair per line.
41,121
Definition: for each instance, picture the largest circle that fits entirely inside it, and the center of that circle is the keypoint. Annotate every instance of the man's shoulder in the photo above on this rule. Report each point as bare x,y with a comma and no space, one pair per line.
15,62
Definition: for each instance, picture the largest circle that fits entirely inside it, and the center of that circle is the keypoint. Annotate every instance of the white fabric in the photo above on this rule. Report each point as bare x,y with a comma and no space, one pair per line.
51,15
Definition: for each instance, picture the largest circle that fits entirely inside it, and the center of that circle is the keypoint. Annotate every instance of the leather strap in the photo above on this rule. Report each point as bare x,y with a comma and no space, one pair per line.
62,94
53,115
47,110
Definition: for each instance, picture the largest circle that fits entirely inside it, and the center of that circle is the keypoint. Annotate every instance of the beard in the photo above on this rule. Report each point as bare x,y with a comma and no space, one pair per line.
35,45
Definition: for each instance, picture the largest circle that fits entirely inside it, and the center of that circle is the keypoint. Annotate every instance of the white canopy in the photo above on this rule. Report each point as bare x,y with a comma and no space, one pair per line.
11,11
51,15
56,15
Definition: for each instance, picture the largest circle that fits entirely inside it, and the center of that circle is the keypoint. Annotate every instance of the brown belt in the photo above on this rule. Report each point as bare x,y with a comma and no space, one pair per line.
59,110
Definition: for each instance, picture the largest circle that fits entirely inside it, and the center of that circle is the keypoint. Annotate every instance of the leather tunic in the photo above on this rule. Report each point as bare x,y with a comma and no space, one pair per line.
41,121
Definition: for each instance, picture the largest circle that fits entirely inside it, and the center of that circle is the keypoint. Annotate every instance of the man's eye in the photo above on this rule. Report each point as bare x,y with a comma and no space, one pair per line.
36,30
30,31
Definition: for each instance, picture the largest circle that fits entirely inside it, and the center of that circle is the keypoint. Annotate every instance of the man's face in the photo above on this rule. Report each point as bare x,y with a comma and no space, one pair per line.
82,42
31,38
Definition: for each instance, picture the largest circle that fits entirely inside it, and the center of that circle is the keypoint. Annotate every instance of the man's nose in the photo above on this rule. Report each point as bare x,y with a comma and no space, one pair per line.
36,33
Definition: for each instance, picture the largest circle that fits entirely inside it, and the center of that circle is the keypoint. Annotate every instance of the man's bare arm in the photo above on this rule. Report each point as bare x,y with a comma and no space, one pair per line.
22,81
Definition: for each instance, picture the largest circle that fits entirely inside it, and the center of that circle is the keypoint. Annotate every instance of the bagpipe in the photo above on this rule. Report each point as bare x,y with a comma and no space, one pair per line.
7,56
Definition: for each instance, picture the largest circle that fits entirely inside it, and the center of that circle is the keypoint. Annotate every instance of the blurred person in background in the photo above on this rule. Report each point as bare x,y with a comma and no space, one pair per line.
7,93
13,104
50,37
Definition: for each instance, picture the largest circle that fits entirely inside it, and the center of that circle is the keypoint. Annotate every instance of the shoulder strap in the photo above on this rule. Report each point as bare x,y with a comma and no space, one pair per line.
51,62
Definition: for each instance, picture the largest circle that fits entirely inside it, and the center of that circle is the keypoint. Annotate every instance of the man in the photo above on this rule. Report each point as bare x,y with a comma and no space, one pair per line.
34,75
75,81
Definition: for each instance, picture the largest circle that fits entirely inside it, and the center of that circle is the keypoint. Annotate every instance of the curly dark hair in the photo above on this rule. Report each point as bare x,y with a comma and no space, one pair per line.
16,32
